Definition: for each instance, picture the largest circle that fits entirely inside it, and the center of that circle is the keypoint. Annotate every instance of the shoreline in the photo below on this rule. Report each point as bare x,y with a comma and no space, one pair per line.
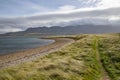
9,60
29,48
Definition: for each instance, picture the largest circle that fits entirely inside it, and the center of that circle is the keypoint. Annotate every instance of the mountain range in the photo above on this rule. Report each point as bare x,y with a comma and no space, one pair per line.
66,30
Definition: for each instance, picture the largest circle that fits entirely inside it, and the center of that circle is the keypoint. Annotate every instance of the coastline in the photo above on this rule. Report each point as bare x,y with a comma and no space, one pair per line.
31,54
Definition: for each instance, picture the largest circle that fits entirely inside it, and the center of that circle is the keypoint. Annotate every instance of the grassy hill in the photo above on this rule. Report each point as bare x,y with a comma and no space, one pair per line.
90,57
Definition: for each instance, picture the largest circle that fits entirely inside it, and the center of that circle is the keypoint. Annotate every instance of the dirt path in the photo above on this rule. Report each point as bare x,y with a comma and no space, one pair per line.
28,55
104,73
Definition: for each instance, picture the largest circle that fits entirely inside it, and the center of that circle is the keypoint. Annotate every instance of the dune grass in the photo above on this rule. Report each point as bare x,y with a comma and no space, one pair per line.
77,61
109,48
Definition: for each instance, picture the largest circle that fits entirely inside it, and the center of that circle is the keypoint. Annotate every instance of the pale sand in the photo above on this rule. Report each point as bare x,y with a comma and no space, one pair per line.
31,54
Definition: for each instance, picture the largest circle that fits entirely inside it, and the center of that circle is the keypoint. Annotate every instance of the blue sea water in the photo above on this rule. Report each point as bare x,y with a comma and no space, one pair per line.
15,44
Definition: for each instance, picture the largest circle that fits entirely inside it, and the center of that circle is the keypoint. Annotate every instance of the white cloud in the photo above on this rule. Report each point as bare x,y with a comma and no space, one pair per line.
109,3
66,8
114,18
9,29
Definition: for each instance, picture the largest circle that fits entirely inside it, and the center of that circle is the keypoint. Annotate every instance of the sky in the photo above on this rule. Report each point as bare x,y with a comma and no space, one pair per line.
18,15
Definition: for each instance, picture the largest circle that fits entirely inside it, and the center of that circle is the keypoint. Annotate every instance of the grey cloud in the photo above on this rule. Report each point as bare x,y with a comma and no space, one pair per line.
100,16
78,14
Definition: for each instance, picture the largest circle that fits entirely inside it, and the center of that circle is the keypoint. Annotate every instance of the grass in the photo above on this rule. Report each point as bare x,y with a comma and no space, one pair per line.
110,53
77,61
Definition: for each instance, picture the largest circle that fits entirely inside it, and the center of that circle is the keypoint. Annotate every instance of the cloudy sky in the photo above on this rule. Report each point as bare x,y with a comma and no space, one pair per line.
17,15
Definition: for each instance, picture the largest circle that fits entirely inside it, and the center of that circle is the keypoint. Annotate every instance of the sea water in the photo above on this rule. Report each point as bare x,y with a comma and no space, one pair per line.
15,44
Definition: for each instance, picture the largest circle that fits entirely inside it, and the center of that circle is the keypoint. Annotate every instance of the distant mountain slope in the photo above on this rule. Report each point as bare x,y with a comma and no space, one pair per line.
68,30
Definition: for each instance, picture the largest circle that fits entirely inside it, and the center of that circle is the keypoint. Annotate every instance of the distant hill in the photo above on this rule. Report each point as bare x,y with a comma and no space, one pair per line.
68,30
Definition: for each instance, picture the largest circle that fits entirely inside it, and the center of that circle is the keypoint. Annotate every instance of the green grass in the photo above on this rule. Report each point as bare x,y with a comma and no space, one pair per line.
110,53
77,61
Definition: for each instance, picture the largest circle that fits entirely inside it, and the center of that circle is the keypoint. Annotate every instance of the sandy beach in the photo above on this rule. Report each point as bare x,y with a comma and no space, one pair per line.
31,54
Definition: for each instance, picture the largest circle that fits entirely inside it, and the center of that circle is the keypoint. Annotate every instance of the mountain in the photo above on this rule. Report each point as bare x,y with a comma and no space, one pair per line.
68,30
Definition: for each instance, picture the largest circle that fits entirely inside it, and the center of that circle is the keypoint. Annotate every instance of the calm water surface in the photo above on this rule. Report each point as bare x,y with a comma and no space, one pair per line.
15,44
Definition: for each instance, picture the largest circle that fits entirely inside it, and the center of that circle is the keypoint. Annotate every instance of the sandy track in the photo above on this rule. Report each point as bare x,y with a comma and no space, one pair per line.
31,54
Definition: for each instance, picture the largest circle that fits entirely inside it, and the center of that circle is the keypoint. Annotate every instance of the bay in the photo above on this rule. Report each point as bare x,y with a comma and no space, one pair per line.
16,44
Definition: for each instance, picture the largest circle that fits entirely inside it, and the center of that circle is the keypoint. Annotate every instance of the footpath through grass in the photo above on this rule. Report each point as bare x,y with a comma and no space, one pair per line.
109,48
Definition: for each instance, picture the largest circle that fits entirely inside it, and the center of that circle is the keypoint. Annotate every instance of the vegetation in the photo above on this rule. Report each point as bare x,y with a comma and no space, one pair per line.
77,61
109,48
